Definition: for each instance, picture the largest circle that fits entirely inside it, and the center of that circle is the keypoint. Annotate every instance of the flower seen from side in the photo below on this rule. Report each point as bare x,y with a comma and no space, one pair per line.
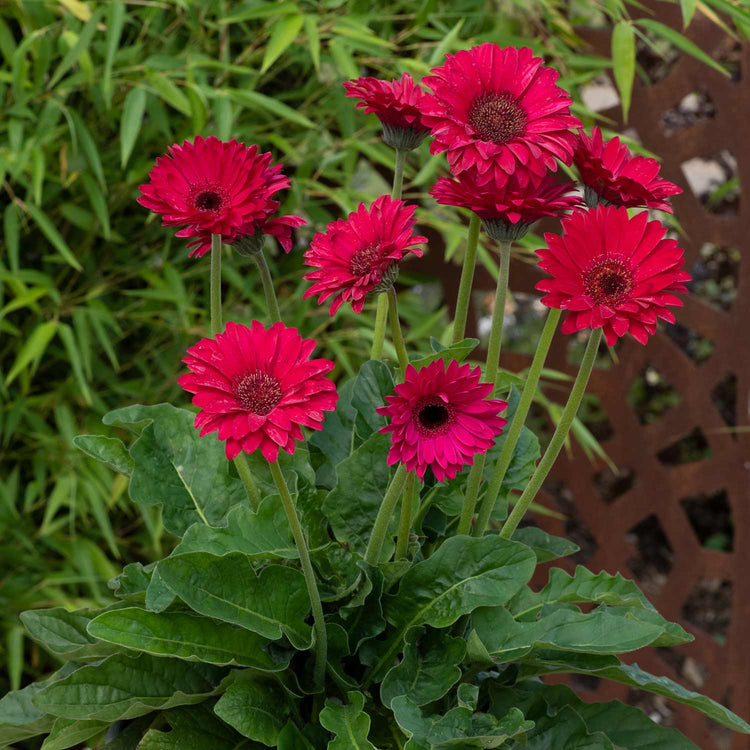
441,418
258,387
613,272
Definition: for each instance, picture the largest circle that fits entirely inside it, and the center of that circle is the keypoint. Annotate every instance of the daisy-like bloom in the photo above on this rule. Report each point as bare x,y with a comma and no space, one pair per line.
612,272
440,418
396,104
213,187
257,387
612,175
360,254
494,108
508,206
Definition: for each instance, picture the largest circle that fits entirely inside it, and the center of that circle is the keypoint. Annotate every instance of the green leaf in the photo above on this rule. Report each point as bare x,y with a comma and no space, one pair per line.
313,39
282,35
175,467
565,730
170,93
737,12
33,349
623,62
253,100
461,728
371,385
545,546
688,10
11,229
71,732
130,122
349,723
585,586
290,738
194,727
115,21
133,580
77,50
459,351
110,451
428,669
64,633
88,146
335,440
65,332
257,710
49,230
273,602
185,636
123,687
20,718
264,10
681,42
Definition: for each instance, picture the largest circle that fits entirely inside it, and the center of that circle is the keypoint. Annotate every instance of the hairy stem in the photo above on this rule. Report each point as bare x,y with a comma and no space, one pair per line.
404,528
265,275
240,463
498,314
380,527
467,278
215,285
398,336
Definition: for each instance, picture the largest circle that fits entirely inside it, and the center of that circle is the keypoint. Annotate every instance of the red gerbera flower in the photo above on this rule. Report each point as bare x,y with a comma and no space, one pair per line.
257,387
495,108
611,174
361,254
440,418
507,206
612,272
212,186
396,104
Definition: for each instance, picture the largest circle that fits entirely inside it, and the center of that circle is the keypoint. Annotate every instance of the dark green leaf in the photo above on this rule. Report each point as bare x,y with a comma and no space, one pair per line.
109,450
371,385
290,738
130,122
283,33
71,732
254,100
349,723
64,633
20,718
74,53
257,710
545,546
459,351
194,728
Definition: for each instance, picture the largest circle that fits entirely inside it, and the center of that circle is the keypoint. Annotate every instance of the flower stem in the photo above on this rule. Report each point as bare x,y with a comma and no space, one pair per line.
558,439
498,314
404,528
381,319
519,418
215,285
467,278
472,491
398,173
265,276
321,640
380,527
398,337
240,463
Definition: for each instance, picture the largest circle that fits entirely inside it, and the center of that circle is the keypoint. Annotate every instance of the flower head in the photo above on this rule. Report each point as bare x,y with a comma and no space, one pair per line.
613,175
507,206
361,253
257,387
612,272
213,187
396,104
495,108
440,418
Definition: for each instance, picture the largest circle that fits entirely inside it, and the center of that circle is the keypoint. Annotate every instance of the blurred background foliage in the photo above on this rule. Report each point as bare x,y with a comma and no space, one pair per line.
98,302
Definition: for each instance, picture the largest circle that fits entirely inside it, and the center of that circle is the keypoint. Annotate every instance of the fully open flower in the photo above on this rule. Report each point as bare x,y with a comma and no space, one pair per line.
613,175
361,253
440,418
257,387
507,206
213,187
494,108
396,104
612,272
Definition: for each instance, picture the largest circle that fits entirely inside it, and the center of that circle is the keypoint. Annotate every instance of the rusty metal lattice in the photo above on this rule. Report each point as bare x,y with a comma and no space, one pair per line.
684,470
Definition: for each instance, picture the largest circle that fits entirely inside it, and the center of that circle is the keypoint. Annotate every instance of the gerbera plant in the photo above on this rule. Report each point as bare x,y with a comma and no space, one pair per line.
347,573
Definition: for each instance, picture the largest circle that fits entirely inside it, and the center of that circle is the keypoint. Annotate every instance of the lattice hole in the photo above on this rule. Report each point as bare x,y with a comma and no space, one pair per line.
695,346
693,447
716,274
523,321
709,607
684,666
714,182
655,56
594,416
696,107
575,529
711,519
651,395
654,556
611,485
577,346
656,707
724,398
587,682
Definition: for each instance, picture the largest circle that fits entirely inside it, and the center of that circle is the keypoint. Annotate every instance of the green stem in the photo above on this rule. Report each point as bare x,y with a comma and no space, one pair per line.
398,174
398,337
321,640
265,276
467,278
519,418
215,285
380,527
381,319
240,463
472,492
498,314
558,439
404,528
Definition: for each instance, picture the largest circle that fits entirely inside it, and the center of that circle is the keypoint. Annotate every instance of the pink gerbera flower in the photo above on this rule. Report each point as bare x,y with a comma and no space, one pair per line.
213,187
396,104
440,418
257,387
361,254
611,174
507,207
494,108
612,272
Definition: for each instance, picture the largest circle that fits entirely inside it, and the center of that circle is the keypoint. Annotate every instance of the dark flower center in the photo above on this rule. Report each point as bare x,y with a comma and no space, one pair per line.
210,198
497,117
362,260
433,417
608,280
258,392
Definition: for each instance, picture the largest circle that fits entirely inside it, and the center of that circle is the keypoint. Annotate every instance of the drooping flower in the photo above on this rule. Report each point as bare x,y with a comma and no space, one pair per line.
496,108
361,253
612,175
213,187
507,206
257,387
612,272
396,104
441,418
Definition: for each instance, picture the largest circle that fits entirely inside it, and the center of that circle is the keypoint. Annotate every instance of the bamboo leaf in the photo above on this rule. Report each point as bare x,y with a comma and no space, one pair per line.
688,9
49,230
623,62
130,123
75,52
115,21
283,33
33,349
253,99
313,39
